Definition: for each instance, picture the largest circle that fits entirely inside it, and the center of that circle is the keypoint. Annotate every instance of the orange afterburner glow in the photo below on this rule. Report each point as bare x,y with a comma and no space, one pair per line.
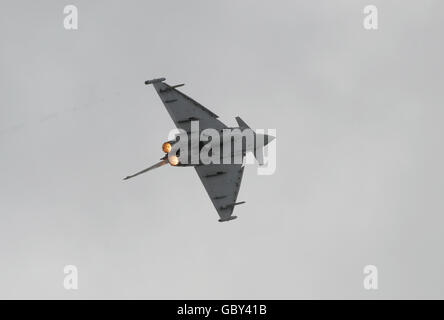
166,147
173,160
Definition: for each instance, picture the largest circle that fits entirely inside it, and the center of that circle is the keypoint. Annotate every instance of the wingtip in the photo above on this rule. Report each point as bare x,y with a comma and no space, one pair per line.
227,219
154,81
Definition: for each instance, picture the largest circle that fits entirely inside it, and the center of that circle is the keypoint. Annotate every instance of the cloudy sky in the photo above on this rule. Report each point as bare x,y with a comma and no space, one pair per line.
359,176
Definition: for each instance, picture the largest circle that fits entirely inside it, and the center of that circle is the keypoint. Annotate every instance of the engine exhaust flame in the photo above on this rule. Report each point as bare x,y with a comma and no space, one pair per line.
166,147
173,160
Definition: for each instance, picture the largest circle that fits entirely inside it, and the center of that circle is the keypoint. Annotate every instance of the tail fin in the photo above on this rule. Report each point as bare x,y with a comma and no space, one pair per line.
242,123
258,154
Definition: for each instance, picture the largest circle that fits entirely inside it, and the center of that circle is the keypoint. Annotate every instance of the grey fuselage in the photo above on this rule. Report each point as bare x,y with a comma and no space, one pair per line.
227,146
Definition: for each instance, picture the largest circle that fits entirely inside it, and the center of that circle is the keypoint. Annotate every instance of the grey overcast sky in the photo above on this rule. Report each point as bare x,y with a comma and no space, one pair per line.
359,176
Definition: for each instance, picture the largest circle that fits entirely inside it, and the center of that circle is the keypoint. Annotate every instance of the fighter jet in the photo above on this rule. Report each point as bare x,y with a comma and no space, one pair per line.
221,180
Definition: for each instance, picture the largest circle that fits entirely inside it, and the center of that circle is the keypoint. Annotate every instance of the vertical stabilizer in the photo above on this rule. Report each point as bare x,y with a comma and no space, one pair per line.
242,123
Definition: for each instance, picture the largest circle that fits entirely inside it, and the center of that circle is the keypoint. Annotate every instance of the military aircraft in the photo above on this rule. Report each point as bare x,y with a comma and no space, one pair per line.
221,180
